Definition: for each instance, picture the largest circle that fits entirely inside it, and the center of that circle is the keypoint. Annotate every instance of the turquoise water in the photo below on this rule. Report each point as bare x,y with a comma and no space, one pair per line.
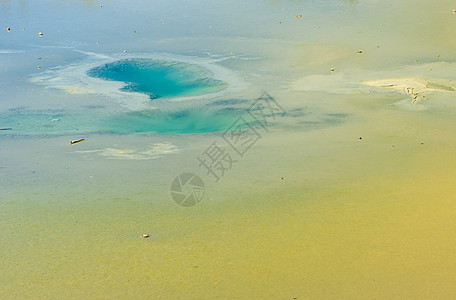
50,122
159,78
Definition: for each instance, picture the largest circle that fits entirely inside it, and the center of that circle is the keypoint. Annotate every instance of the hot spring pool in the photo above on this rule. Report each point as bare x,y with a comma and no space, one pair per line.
138,79
159,78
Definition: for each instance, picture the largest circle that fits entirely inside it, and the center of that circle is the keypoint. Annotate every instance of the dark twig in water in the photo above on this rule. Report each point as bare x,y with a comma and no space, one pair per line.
76,141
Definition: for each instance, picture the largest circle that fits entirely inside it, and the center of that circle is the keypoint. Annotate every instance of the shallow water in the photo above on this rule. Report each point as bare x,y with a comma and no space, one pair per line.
309,210
49,122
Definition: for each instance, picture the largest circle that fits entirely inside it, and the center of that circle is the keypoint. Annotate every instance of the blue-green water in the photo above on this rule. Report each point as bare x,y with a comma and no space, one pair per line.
156,78
159,78
50,122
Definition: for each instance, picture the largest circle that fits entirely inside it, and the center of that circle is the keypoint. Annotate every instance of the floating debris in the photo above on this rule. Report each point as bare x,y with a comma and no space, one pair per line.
454,11
281,178
360,138
299,16
76,141
40,34
332,69
38,67
125,51
39,57
145,235
8,29
360,51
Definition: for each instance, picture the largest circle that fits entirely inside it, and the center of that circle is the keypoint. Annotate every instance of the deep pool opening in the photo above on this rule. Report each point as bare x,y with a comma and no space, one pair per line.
159,78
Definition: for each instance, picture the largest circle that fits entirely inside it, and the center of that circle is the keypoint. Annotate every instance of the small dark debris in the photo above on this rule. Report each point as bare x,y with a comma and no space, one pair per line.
76,141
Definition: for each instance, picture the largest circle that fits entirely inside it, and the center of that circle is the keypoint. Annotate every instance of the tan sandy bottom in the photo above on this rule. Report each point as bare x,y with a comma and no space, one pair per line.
352,219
